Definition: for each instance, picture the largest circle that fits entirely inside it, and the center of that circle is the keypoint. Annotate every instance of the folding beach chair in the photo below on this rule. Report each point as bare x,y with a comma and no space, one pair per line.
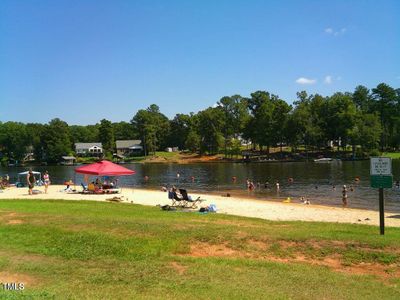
177,201
189,202
84,189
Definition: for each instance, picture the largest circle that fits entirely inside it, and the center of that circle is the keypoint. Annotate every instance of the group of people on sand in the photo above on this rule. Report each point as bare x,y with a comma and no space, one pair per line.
31,181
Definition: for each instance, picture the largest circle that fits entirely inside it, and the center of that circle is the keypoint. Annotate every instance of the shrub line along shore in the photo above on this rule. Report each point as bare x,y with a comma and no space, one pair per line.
239,206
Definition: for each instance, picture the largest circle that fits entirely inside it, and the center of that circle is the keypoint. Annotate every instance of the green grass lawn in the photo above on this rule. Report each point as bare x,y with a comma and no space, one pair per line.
163,154
95,250
393,155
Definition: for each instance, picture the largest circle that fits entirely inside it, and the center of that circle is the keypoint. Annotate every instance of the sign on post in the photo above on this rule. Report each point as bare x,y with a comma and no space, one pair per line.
381,172
381,177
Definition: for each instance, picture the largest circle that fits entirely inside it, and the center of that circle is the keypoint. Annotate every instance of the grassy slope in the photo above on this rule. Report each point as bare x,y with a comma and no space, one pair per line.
393,155
119,251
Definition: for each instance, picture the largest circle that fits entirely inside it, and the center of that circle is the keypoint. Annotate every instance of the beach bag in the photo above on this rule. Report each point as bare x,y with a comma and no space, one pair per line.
212,208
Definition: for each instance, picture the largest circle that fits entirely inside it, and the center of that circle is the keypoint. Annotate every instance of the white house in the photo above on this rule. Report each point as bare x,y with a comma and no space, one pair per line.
88,149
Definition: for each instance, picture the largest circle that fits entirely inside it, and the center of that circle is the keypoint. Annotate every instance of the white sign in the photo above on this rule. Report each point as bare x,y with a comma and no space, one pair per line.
381,166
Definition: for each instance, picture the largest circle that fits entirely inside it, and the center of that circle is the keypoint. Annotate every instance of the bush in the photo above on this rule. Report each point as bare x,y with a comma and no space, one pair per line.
374,152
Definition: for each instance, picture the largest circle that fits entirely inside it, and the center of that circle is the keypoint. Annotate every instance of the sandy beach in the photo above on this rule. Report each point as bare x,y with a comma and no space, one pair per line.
268,210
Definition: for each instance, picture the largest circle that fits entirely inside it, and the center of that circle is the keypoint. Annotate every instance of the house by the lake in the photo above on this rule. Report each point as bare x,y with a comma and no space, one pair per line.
128,147
89,149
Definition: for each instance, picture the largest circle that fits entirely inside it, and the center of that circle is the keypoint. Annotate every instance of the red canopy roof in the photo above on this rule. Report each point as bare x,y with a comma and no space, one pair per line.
104,168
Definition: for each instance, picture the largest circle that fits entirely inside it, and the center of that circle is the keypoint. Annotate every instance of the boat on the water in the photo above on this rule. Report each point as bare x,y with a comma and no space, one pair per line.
324,159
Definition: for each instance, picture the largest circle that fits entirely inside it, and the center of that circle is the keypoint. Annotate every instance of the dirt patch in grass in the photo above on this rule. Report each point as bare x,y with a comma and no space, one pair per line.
11,218
258,244
229,222
180,269
14,222
6,277
334,261
202,249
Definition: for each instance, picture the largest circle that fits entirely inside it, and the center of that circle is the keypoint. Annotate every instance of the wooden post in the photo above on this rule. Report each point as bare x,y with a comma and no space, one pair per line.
381,212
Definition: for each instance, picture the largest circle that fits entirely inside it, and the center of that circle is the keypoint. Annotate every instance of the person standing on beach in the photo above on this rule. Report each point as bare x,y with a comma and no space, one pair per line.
46,179
344,196
30,179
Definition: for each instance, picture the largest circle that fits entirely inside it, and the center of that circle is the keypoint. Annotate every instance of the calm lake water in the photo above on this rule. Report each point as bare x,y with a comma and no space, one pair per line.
312,180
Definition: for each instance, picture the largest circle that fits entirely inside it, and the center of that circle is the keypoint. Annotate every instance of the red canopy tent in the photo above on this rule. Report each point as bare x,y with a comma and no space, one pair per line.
104,168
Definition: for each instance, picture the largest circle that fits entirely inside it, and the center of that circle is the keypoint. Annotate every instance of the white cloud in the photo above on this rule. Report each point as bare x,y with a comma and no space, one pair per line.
333,32
303,80
328,79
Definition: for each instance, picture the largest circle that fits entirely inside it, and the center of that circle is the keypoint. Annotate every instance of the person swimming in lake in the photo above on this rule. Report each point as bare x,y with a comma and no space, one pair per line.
344,196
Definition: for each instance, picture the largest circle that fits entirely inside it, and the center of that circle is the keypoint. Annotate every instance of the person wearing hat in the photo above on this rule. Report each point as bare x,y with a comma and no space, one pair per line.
344,196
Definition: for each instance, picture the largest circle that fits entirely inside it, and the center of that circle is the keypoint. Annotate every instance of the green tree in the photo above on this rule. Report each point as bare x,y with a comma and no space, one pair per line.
124,131
362,99
56,140
35,132
366,132
192,142
341,117
14,139
106,136
181,126
386,101
279,121
267,124
210,124
235,116
153,128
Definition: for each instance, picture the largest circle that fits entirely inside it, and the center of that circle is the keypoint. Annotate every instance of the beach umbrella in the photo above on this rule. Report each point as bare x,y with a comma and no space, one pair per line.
104,168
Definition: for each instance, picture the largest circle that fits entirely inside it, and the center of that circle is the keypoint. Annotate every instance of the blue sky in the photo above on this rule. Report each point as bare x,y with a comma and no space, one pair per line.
86,60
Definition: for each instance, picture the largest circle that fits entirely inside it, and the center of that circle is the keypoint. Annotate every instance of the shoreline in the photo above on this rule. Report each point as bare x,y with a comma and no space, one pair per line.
239,206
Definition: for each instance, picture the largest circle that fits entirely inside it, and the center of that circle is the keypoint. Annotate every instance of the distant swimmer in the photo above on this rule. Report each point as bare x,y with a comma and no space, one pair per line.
251,186
304,200
344,196
333,187
277,186
192,178
316,187
146,178
178,175
357,179
290,180
397,184
234,178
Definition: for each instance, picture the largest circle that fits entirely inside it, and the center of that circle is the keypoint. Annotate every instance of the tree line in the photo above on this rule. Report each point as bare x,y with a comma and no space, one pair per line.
367,120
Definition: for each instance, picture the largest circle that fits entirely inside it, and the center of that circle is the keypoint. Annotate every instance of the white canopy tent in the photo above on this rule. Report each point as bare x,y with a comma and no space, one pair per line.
22,178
